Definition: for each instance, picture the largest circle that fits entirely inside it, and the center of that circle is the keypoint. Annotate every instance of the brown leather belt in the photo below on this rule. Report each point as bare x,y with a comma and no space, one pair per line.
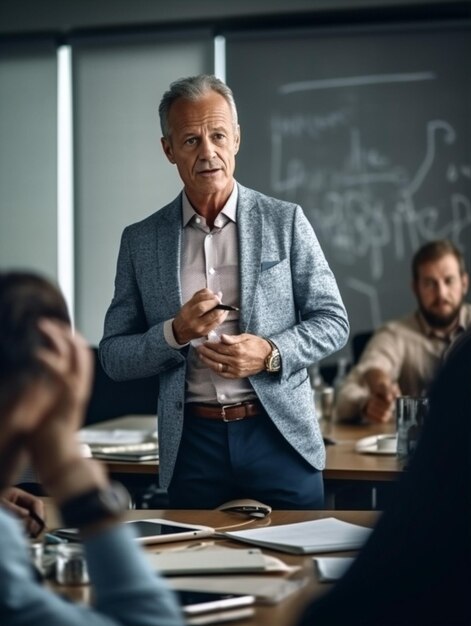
227,412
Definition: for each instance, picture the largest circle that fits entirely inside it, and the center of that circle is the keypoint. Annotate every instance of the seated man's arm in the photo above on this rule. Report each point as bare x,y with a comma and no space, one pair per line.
383,391
370,389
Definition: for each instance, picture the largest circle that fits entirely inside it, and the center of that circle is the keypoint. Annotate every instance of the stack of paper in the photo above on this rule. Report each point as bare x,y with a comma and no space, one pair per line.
116,436
324,535
266,589
121,444
216,560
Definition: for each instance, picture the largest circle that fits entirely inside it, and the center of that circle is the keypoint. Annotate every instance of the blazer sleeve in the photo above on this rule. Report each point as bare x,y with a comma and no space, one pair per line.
130,348
322,326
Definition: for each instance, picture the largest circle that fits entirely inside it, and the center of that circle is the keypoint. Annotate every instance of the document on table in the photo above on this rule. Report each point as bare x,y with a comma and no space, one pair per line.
324,535
148,451
330,568
267,589
116,436
215,560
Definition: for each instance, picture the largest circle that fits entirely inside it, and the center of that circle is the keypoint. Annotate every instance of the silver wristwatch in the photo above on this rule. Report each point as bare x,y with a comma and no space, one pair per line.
273,360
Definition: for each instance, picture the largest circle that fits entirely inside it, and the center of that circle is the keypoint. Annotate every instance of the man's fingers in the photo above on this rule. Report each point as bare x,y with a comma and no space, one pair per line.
57,357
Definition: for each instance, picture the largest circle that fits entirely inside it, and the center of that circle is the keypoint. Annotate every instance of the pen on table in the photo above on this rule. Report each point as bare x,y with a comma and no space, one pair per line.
226,307
50,538
328,441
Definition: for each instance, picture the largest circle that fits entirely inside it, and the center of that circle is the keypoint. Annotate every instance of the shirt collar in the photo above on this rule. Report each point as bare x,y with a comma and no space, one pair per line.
229,209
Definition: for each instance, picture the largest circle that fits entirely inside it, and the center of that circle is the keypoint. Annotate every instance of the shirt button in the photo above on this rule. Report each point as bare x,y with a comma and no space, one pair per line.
198,220
222,396
212,270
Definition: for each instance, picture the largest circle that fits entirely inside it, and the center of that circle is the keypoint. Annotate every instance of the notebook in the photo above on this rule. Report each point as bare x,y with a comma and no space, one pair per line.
324,535
216,560
147,451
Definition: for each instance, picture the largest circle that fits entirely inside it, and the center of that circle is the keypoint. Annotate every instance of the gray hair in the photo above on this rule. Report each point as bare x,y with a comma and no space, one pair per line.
193,88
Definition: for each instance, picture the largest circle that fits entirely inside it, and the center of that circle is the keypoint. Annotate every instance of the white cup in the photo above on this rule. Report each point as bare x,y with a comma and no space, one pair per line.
387,443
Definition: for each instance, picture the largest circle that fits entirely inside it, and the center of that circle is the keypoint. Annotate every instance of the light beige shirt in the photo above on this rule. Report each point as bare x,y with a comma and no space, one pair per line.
210,258
409,350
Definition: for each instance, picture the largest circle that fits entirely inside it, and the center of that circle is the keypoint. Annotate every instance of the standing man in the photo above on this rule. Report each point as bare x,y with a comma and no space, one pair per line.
235,411
403,356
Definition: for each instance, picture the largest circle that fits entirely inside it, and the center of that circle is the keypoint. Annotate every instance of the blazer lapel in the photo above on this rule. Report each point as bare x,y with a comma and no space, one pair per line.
169,245
250,233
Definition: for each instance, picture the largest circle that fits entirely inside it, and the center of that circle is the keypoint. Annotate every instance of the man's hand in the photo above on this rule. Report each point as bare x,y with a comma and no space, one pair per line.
22,504
198,317
236,356
383,394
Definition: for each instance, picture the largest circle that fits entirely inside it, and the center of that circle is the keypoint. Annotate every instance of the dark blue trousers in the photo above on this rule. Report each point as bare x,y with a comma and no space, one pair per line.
219,461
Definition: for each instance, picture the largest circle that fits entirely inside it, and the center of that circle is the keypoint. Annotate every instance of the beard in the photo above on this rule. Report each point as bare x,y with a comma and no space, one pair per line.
435,320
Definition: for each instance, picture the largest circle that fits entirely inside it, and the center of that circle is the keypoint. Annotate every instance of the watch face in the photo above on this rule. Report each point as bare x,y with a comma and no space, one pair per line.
274,361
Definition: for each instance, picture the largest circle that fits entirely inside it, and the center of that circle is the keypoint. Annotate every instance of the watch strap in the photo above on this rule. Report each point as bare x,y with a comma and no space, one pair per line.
95,505
272,358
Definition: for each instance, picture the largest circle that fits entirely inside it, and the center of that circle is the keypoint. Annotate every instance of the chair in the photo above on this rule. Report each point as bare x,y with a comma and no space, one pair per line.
359,342
111,399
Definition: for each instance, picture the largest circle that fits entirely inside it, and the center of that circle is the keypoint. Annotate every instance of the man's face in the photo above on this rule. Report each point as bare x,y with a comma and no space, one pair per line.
203,143
440,290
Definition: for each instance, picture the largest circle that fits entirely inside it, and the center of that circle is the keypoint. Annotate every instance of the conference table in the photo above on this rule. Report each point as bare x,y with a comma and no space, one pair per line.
282,613
345,466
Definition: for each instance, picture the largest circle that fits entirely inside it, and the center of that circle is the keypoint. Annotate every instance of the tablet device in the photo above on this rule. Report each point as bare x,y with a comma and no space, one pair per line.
198,602
220,617
161,530
151,531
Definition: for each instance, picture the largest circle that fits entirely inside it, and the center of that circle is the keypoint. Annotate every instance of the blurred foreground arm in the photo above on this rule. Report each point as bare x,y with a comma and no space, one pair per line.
126,591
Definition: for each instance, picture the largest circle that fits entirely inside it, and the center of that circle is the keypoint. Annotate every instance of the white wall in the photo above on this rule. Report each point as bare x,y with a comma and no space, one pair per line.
121,173
28,160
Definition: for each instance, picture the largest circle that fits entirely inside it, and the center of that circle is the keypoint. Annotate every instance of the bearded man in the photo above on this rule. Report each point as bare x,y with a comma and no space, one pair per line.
402,357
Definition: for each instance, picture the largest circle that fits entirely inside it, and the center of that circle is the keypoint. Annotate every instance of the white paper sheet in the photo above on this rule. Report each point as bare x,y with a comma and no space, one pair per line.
324,535
330,568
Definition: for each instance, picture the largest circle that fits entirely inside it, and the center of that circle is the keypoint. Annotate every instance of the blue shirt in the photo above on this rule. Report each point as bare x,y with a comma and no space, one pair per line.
126,590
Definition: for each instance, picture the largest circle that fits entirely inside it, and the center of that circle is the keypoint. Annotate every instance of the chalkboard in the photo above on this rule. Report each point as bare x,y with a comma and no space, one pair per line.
369,130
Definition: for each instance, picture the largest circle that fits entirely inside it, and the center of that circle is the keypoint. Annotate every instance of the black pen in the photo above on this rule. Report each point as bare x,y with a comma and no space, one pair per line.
226,307
328,441
39,521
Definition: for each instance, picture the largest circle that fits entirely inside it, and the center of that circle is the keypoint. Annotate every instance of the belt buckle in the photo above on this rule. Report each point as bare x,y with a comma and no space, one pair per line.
229,406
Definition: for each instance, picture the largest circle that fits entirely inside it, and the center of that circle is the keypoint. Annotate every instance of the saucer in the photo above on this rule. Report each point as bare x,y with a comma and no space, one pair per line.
369,445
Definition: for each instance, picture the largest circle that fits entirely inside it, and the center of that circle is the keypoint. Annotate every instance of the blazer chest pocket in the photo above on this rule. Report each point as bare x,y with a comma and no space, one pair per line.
275,277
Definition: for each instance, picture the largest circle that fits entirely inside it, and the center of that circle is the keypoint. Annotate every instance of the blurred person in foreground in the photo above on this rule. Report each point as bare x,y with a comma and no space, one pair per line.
403,356
414,569
45,378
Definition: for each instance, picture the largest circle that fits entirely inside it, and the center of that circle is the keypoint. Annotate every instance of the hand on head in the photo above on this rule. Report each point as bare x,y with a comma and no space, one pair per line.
69,366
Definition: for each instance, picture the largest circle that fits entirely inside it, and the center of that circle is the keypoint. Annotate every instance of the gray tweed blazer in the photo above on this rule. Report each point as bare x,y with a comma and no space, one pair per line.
287,294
